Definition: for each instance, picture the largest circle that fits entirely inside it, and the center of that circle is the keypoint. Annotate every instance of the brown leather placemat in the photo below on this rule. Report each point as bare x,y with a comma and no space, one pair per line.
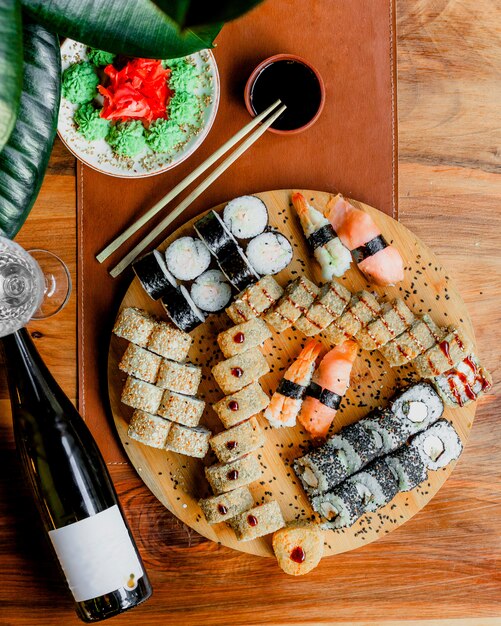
351,148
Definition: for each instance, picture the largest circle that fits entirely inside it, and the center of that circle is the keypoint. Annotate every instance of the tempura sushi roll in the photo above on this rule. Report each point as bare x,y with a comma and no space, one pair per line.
339,508
257,522
299,295
227,476
141,395
376,485
236,267
240,371
231,444
393,319
329,305
356,443
255,300
181,377
388,431
438,445
148,429
153,274
245,217
185,410
181,309
417,407
140,363
322,469
444,355
213,232
422,335
243,337
464,383
187,258
192,442
225,506
241,405
169,341
211,291
363,308
407,467
269,253
134,325
298,547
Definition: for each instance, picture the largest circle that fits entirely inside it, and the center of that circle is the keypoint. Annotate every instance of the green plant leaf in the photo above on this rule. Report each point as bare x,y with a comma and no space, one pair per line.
24,158
132,27
11,66
193,13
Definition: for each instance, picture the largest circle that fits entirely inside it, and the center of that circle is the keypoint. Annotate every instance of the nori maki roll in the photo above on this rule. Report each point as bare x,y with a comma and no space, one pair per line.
153,274
236,267
407,467
213,232
340,507
181,309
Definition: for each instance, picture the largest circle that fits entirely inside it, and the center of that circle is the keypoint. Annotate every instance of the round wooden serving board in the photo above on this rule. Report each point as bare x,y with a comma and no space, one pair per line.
179,482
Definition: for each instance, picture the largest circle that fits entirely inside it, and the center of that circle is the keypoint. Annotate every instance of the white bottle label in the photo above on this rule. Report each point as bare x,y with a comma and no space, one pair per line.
97,555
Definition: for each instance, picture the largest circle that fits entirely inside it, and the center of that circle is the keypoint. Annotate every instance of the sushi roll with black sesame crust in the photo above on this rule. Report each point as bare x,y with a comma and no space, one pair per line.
153,274
321,470
213,232
417,407
339,508
408,467
375,484
438,445
181,309
245,217
384,424
236,267
357,444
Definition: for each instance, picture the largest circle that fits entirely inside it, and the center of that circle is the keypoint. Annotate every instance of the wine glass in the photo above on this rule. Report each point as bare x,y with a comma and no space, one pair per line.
34,284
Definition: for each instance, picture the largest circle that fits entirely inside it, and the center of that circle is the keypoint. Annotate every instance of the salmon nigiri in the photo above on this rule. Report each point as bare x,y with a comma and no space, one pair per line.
378,260
327,388
286,401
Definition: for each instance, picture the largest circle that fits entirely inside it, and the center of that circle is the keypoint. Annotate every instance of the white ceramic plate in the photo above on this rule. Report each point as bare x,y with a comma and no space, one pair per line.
99,155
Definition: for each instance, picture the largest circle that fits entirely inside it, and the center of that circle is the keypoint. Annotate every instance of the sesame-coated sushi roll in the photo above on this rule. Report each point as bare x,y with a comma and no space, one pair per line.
269,253
148,429
464,383
241,405
245,217
225,506
444,355
438,445
299,295
362,309
192,442
243,337
240,371
321,470
330,304
181,377
257,522
408,467
298,547
185,410
153,274
227,476
385,427
422,335
375,484
187,258
231,444
236,267
169,341
140,363
339,508
181,309
255,300
417,407
134,325
394,318
357,444
211,291
141,395
213,232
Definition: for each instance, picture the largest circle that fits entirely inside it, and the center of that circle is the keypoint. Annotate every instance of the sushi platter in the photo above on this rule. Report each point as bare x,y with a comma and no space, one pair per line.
271,362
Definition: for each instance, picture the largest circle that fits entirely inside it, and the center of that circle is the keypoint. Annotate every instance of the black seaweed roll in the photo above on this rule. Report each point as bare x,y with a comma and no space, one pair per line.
236,267
153,274
213,232
181,309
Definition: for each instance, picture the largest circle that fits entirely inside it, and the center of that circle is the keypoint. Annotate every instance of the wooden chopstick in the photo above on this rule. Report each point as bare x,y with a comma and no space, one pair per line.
136,251
122,238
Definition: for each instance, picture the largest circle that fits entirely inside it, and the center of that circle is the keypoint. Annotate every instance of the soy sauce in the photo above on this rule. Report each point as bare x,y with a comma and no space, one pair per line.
295,84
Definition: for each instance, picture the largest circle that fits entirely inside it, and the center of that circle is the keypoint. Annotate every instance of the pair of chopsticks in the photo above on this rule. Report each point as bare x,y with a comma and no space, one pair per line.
155,232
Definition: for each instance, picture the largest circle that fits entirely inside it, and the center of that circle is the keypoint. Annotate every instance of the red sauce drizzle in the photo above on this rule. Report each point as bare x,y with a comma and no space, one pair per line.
455,392
445,348
267,295
222,509
237,372
470,364
459,342
239,338
252,520
232,475
297,555
233,405
231,445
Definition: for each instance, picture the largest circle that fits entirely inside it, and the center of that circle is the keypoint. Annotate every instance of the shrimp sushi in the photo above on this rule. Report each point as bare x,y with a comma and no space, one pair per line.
286,401
327,388
379,261
334,258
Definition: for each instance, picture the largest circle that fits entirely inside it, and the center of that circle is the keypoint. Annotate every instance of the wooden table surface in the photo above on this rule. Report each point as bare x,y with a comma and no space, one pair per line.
442,567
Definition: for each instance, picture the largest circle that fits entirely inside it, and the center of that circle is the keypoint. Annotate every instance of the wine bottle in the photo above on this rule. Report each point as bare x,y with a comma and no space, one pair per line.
73,489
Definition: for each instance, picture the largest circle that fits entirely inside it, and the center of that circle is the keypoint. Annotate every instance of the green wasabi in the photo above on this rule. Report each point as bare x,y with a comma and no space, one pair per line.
80,82
100,57
184,77
184,108
127,138
164,135
89,123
